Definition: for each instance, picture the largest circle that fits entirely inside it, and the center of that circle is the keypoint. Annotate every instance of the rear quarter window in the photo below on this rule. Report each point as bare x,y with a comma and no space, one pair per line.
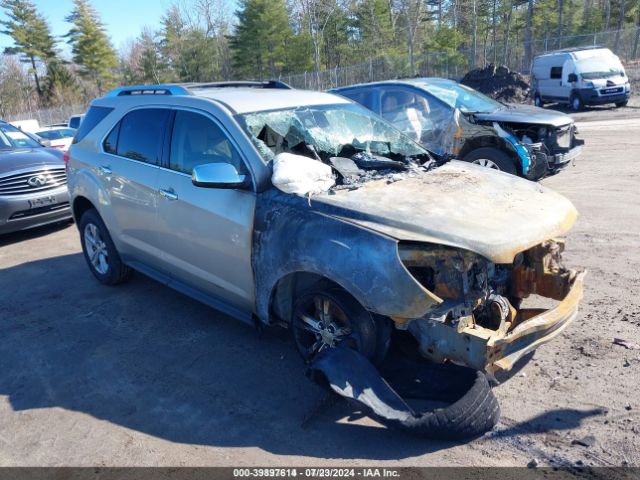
94,116
362,96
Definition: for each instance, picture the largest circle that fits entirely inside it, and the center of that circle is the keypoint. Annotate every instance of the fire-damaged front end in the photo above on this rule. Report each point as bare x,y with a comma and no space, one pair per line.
544,142
480,320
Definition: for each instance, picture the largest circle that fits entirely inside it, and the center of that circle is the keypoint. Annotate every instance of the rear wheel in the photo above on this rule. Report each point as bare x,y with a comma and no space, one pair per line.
492,158
100,252
325,319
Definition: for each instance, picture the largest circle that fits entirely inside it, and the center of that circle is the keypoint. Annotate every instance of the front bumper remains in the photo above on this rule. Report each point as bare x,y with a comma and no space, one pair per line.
465,342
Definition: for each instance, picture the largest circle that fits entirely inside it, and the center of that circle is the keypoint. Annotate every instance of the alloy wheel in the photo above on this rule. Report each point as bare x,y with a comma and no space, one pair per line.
318,324
485,162
96,248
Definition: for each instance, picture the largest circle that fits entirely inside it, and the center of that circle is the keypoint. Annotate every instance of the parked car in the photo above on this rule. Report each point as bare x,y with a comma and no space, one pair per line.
29,126
579,77
33,190
176,183
451,119
58,137
75,121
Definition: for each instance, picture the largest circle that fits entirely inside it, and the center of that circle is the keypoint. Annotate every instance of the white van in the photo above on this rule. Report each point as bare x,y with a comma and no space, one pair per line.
578,77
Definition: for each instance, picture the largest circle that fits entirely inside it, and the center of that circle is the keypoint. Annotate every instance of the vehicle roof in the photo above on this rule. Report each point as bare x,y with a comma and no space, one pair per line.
401,81
244,100
52,127
240,99
575,52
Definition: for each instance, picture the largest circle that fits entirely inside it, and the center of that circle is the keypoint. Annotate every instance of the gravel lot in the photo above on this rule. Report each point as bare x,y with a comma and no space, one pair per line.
141,375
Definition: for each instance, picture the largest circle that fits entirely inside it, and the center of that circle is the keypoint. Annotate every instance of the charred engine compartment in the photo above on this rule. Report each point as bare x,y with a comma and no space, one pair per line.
479,296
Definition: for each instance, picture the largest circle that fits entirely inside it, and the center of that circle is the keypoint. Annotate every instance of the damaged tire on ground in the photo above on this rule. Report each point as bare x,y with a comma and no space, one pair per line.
326,318
472,408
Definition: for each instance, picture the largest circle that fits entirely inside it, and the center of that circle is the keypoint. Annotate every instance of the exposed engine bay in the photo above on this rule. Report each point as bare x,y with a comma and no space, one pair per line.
481,301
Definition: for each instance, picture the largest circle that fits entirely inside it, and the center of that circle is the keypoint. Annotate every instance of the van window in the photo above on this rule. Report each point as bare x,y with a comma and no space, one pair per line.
142,134
556,72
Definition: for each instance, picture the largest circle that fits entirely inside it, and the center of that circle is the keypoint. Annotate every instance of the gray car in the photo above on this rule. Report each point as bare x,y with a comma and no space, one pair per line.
454,120
189,186
33,182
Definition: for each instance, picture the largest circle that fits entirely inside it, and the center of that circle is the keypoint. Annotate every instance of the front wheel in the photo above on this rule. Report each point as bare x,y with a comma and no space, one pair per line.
576,103
100,252
622,104
537,100
492,158
330,318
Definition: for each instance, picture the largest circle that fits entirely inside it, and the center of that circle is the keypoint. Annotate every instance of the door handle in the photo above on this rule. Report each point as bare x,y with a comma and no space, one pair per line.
169,194
105,169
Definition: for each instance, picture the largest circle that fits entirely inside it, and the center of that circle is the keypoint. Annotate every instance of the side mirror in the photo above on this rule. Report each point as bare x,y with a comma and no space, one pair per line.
572,77
218,175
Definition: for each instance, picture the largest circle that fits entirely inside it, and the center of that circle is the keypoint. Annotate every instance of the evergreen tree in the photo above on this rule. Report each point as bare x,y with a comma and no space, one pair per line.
261,37
30,33
91,48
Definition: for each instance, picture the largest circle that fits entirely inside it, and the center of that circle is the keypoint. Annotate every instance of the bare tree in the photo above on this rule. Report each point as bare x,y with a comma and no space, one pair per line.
528,36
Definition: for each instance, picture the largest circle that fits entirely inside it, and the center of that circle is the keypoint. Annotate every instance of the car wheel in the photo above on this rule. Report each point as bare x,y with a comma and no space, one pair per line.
537,101
576,103
622,104
327,318
100,252
492,158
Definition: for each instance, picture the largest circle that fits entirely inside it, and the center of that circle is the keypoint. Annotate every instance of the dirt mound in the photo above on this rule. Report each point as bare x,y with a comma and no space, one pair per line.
499,83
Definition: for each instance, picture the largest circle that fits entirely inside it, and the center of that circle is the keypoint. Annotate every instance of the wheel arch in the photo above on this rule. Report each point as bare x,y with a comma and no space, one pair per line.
80,205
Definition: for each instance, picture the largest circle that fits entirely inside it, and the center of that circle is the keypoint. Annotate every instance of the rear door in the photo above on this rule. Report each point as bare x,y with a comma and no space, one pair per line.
133,152
206,233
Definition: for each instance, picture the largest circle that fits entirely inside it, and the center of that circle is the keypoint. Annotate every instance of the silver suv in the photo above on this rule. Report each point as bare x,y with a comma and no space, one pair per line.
176,183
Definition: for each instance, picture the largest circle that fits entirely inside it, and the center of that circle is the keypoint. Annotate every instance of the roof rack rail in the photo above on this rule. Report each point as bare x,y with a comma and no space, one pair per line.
149,90
242,83
573,49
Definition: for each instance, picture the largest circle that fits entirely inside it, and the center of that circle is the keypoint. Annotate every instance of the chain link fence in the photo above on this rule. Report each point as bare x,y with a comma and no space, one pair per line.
455,63
50,116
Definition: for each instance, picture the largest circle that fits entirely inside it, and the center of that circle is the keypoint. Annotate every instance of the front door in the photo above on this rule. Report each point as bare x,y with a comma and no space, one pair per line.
206,233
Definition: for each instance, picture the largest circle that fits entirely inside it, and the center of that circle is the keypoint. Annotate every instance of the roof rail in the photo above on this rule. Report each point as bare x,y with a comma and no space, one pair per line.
573,49
149,90
241,83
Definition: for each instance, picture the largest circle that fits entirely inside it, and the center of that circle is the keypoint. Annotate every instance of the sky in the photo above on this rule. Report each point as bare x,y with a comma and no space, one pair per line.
123,19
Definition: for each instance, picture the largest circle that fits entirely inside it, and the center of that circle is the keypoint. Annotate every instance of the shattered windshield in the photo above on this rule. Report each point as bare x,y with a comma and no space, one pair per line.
462,97
347,137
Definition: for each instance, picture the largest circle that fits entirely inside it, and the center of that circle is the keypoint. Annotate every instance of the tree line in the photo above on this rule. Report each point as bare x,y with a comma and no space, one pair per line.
206,40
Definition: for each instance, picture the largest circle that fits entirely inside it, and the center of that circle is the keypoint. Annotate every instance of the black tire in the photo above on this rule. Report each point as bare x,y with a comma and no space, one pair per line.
576,103
472,408
500,159
345,311
622,104
116,271
537,100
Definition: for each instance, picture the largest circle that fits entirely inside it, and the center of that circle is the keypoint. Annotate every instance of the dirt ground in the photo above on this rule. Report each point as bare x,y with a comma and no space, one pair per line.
141,375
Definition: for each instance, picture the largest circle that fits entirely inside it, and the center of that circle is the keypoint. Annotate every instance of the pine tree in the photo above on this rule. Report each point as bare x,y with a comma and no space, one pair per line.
91,47
30,33
260,40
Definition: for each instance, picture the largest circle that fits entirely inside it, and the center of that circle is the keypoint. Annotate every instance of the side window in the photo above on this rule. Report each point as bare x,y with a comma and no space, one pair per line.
363,96
111,142
556,72
406,110
197,140
94,116
142,134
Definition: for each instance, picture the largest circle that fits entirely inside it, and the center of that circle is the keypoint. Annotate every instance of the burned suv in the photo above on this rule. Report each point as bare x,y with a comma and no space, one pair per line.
453,120
307,210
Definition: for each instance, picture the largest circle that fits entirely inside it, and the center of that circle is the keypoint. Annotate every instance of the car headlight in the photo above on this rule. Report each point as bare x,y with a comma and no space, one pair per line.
588,84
